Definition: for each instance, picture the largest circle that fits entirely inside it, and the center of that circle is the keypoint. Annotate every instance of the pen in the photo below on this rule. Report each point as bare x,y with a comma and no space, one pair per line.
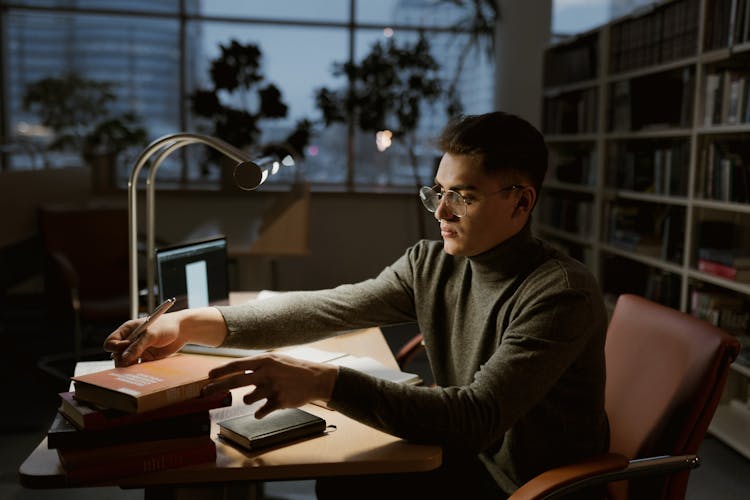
155,314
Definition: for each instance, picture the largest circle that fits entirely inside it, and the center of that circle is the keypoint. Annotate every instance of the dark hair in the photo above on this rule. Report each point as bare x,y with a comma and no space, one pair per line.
502,141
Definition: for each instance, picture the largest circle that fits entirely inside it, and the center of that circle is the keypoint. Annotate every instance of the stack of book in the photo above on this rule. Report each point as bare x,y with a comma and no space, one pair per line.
725,310
143,418
731,264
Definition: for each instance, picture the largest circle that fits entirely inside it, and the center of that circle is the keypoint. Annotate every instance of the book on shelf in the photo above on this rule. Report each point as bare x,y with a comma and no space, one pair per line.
718,24
667,32
86,416
725,172
106,463
726,97
725,310
726,272
733,257
147,386
575,61
712,82
63,434
279,427
661,286
736,98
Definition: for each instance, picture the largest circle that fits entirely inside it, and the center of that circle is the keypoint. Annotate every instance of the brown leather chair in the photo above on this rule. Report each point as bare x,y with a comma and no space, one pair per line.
86,270
665,374
409,350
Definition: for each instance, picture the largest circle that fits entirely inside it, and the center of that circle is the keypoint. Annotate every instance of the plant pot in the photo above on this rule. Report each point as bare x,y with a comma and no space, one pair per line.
103,171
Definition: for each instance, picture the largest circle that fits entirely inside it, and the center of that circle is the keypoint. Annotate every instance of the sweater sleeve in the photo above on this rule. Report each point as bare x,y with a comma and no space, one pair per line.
301,317
538,346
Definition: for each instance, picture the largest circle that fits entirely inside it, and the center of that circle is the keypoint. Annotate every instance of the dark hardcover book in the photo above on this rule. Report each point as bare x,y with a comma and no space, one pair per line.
281,426
113,462
87,416
63,434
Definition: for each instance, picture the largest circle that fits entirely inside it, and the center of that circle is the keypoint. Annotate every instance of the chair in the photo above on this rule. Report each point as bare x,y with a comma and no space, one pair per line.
409,350
665,374
86,270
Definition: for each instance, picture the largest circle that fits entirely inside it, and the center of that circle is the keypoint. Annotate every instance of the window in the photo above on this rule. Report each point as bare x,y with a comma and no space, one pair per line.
156,56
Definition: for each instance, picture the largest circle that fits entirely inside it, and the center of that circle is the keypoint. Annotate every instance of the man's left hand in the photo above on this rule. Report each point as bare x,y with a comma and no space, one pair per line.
283,381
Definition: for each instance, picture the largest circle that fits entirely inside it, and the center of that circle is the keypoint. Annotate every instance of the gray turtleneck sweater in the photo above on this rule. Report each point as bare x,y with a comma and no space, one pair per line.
515,339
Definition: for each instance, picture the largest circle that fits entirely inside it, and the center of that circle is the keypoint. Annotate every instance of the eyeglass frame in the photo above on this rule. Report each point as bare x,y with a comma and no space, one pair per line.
439,195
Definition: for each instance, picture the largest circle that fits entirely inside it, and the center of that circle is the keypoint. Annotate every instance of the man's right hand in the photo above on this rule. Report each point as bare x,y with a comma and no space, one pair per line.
161,339
166,335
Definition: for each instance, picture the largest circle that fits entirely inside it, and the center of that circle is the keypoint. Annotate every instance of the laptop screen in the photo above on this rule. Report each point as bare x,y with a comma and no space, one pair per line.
194,273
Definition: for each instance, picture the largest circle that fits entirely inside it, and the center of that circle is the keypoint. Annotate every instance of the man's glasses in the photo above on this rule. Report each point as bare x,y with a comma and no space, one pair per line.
454,202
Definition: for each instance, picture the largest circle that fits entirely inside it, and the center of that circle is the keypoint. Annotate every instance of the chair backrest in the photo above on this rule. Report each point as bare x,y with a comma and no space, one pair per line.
665,374
94,240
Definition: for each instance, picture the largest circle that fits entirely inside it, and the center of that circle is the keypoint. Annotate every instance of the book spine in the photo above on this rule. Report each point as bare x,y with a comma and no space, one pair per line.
132,466
171,396
89,457
716,269
185,426
78,413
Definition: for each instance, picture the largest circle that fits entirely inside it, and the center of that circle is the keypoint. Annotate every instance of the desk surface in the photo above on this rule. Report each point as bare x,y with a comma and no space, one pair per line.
353,448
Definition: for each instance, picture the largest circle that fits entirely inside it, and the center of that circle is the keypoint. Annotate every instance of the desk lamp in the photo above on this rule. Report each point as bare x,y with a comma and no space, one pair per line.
248,174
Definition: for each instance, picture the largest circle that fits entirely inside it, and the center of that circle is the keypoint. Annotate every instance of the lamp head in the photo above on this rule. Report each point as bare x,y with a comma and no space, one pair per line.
248,175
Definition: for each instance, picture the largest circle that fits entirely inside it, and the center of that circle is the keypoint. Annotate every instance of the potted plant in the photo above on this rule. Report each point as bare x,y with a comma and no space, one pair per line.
385,95
239,99
79,113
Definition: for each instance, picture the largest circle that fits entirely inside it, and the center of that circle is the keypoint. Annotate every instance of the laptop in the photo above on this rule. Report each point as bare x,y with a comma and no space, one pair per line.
194,273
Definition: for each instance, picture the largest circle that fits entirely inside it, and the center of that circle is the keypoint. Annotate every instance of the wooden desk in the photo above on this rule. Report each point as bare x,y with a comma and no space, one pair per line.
353,448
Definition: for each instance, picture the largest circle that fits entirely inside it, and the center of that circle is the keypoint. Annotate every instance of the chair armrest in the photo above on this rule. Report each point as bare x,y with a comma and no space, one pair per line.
66,269
70,276
409,350
599,470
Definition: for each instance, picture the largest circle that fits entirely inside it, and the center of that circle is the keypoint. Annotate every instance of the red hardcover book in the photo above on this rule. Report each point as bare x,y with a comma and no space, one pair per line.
86,416
147,386
711,267
123,460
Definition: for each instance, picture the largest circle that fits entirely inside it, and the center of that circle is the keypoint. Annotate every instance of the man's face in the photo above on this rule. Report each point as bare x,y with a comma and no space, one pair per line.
494,212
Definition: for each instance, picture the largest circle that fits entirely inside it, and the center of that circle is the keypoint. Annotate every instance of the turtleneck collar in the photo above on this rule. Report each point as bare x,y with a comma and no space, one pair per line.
509,258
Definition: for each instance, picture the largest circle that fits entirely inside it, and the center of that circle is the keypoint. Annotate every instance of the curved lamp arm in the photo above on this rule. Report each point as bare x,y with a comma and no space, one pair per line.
254,173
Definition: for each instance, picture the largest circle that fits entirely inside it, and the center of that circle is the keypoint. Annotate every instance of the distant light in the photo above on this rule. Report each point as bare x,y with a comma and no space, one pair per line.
275,167
288,161
33,130
313,150
383,140
388,32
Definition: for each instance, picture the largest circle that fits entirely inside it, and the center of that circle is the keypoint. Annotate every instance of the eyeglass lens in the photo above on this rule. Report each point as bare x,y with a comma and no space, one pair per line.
453,201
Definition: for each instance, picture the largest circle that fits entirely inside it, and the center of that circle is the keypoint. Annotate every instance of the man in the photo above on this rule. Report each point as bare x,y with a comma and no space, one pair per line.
514,330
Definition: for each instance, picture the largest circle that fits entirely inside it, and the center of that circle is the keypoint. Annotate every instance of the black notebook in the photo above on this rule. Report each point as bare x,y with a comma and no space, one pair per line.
280,426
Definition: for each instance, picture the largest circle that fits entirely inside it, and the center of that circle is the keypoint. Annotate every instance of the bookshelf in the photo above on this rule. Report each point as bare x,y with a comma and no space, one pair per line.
647,119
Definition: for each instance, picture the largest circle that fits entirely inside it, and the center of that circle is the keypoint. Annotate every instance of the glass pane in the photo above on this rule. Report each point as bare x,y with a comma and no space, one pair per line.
422,13
320,10
124,5
458,61
570,17
295,71
139,57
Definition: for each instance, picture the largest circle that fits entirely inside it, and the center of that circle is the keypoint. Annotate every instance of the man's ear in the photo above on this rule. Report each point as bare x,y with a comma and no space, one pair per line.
526,199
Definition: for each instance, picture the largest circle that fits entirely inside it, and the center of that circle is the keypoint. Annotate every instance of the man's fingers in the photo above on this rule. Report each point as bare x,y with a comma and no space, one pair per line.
256,394
134,351
241,365
230,382
266,409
